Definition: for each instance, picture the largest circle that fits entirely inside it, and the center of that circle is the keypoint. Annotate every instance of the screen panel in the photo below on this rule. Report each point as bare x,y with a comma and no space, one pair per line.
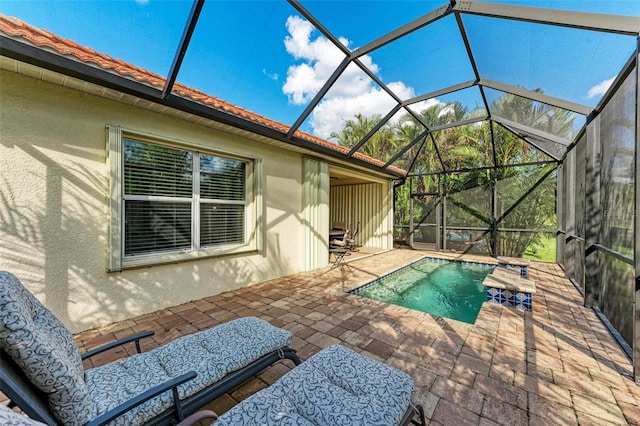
617,138
469,199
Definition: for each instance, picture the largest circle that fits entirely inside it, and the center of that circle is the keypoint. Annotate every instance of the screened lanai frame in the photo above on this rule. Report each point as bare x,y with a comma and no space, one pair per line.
614,24
559,150
553,146
598,200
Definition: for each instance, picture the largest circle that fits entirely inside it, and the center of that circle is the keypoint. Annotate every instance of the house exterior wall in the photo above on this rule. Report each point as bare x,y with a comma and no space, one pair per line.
315,209
54,216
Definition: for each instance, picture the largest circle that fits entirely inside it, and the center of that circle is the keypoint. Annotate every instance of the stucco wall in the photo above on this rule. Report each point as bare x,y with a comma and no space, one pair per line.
54,217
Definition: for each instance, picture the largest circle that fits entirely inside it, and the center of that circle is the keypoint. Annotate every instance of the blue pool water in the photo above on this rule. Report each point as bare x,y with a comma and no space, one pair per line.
448,289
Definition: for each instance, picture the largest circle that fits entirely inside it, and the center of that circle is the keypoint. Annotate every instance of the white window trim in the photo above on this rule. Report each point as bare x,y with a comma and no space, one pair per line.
254,229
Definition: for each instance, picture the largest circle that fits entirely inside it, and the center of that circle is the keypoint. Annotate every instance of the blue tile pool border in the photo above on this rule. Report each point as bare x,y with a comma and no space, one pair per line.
404,268
511,299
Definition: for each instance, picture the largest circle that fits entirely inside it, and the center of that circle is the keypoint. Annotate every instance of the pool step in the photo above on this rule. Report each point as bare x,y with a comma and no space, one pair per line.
515,264
509,288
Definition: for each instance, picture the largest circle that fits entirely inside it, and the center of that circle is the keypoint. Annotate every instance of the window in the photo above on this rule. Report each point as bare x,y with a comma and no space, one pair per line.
171,202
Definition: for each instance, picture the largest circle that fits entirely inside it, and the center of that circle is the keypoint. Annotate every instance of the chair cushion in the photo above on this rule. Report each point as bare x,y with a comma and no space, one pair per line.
212,354
11,418
334,387
45,350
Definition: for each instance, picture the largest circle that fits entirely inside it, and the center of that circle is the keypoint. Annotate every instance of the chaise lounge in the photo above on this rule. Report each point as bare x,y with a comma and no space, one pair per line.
41,368
336,386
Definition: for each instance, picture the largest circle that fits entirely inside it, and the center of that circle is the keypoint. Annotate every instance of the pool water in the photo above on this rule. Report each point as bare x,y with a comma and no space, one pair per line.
448,289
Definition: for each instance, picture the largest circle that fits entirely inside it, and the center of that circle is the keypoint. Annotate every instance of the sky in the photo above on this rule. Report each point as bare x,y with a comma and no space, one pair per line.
265,57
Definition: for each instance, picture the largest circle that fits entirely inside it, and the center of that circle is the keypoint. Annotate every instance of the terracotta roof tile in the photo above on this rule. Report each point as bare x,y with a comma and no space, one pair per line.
16,28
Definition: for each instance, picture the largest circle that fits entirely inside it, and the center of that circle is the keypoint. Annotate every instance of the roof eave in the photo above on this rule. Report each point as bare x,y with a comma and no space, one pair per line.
70,66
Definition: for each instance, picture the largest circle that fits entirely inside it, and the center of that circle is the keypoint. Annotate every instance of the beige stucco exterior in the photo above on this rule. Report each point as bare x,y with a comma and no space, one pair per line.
54,214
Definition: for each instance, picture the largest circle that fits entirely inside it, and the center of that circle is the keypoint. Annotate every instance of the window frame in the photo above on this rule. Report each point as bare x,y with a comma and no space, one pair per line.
252,203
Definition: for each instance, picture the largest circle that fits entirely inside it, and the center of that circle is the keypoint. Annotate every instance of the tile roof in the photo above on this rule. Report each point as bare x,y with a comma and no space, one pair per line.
15,28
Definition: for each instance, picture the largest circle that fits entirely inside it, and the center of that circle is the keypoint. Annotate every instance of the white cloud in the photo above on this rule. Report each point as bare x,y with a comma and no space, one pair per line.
353,93
319,58
272,75
600,88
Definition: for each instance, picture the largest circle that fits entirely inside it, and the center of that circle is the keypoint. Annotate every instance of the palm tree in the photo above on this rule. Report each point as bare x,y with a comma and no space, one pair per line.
354,130
477,153
470,147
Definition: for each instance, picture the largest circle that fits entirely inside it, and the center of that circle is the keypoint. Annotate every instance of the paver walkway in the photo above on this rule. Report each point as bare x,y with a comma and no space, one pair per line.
555,365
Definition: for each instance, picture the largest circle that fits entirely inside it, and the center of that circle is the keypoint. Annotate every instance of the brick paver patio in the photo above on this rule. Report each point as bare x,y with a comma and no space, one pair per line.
555,365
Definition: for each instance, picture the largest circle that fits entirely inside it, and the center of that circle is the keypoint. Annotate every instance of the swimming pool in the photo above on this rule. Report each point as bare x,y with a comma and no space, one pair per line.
446,288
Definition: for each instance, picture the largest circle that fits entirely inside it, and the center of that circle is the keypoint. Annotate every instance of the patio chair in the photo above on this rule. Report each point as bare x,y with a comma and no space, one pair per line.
338,247
335,386
41,368
339,225
351,240
340,243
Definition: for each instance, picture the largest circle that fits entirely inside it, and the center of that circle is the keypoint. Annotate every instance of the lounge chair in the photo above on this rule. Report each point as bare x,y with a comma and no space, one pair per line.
41,368
336,386
11,418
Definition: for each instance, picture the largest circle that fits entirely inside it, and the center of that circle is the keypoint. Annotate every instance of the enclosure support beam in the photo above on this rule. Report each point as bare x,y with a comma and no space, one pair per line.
502,166
439,201
593,213
435,147
182,47
528,140
459,123
318,25
560,234
493,144
422,136
472,60
569,201
526,131
373,131
536,145
627,25
444,212
440,92
392,94
411,206
494,214
636,292
318,97
404,30
536,96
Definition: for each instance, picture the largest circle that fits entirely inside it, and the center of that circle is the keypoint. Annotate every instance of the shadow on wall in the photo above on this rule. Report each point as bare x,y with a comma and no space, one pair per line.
55,241
42,237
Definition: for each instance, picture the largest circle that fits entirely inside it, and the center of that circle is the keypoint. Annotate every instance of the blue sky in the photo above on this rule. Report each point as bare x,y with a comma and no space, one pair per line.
263,56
